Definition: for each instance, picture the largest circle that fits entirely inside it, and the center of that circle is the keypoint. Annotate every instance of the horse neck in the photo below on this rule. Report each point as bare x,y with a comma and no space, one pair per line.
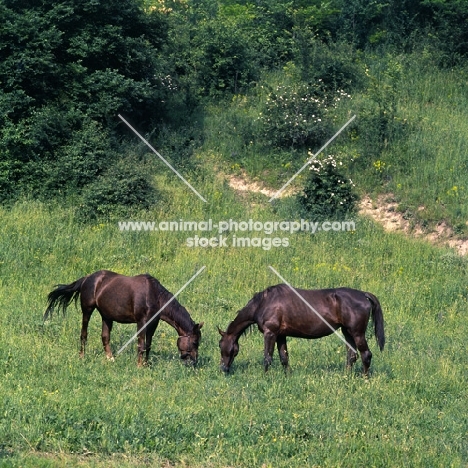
175,314
243,320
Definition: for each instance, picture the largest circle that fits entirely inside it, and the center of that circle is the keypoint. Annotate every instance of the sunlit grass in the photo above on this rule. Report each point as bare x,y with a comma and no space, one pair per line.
411,408
423,165
59,410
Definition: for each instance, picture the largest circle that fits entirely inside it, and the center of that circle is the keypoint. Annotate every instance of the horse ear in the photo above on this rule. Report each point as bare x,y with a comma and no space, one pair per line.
197,327
221,331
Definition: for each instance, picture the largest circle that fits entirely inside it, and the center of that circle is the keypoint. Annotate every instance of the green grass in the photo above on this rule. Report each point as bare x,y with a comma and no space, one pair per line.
427,168
424,163
59,410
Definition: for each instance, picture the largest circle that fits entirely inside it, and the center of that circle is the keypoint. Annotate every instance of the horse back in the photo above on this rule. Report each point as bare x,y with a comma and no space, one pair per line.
124,299
312,313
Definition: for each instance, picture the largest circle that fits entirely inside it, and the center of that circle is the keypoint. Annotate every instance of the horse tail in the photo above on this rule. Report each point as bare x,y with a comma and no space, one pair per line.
62,295
377,317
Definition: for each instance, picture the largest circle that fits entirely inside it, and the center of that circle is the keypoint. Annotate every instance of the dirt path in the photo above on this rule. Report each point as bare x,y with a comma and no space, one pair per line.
243,184
383,210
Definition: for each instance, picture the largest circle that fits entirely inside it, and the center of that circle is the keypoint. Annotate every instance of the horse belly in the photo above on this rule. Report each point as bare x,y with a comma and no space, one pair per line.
117,305
310,330
117,314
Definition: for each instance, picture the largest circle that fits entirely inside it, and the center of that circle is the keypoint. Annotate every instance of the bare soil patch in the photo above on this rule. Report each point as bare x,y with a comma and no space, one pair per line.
242,183
384,211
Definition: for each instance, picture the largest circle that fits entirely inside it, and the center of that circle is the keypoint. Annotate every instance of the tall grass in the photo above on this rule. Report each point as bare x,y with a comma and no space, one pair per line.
56,407
409,138
58,410
424,164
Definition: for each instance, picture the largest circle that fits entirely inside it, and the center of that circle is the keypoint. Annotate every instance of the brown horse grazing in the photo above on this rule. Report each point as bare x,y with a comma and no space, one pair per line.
279,312
128,299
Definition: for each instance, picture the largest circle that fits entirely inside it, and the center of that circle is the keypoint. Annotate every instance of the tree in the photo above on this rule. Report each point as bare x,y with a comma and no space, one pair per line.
67,68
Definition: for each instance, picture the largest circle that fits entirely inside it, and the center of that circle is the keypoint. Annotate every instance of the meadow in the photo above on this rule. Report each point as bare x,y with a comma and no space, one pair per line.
60,410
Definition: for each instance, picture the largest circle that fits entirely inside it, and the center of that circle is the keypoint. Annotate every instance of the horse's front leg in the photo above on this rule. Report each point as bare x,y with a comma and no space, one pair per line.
106,331
269,341
141,342
150,329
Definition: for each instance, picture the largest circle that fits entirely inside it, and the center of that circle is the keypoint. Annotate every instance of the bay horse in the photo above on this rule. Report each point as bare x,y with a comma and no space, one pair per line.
128,299
279,312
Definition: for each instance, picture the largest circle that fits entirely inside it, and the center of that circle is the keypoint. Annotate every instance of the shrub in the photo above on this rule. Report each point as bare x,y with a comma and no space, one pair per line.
336,64
295,115
123,189
327,193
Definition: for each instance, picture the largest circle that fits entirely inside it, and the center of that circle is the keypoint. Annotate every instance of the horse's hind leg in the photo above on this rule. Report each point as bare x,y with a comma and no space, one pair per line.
269,341
87,311
366,355
106,331
283,352
350,348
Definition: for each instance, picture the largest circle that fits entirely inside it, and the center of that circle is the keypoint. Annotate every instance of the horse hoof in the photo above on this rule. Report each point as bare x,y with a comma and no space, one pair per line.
110,358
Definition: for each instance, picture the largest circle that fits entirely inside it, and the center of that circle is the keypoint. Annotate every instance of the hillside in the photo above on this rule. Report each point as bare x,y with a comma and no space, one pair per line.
56,405
250,93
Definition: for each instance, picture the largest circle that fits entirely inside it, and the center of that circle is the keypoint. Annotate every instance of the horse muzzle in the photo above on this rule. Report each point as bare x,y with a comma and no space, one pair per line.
189,360
224,368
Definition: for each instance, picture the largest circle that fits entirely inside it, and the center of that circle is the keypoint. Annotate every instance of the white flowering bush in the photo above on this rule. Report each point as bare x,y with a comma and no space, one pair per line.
327,193
295,115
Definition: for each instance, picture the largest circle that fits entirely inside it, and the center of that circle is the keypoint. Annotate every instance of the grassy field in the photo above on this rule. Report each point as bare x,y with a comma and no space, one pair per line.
428,166
58,410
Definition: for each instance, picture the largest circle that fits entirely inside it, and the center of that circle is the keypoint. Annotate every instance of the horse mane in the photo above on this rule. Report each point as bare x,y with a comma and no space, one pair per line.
245,317
174,312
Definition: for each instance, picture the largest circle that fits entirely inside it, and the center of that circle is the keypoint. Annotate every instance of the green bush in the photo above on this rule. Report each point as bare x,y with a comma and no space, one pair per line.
327,193
120,191
294,115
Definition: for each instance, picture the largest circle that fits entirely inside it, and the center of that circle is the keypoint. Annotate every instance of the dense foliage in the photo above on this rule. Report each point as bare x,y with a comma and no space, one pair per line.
69,67
66,70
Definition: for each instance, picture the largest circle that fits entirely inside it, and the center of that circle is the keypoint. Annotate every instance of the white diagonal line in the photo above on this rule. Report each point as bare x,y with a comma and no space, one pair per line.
312,308
160,310
278,193
162,159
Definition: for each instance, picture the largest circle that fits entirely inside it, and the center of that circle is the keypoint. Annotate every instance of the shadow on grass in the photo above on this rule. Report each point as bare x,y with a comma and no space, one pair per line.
319,369
5,452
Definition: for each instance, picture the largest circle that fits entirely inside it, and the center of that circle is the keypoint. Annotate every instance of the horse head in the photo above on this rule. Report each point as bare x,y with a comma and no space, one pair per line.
229,348
188,345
